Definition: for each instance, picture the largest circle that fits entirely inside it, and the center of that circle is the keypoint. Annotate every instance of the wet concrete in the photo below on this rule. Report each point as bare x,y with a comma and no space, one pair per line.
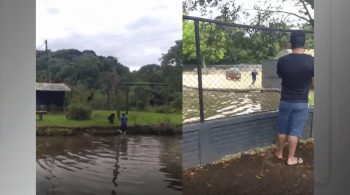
254,175
122,164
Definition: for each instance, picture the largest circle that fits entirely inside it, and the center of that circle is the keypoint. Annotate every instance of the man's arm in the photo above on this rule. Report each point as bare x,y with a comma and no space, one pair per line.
312,83
312,75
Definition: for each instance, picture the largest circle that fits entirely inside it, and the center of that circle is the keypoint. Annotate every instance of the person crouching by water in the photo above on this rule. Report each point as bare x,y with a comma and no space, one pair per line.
124,125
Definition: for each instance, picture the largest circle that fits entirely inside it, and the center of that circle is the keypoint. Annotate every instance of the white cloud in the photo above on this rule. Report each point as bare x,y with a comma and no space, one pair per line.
136,32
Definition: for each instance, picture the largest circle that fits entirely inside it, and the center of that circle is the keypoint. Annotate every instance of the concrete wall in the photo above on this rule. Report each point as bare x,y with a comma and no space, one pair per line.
212,140
189,68
269,75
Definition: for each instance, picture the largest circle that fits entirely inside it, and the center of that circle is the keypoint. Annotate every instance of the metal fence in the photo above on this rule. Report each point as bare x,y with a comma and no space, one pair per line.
219,91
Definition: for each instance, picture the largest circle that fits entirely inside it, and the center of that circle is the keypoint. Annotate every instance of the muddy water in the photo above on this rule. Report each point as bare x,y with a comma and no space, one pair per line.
221,104
130,164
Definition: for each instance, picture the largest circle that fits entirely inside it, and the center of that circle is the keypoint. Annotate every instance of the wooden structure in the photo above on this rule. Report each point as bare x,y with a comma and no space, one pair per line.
41,114
51,94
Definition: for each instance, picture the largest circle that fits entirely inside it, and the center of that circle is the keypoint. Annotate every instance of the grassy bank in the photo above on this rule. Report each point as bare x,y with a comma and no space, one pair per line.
138,122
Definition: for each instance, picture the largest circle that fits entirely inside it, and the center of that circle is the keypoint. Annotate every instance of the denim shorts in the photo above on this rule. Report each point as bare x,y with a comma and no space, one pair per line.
292,118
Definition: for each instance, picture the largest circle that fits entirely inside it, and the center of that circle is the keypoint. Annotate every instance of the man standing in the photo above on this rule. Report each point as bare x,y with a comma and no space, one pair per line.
296,71
124,125
254,73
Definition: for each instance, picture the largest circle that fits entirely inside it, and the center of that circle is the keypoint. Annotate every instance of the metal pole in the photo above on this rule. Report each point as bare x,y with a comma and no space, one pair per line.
108,106
127,101
199,69
48,63
238,25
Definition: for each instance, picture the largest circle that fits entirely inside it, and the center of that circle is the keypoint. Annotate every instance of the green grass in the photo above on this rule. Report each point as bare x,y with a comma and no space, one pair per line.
99,119
312,99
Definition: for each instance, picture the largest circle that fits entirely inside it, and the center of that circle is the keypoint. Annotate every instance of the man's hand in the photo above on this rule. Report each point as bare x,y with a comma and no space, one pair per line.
312,83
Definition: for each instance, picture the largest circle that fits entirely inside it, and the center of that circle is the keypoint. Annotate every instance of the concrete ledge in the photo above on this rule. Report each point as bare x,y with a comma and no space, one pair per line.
206,142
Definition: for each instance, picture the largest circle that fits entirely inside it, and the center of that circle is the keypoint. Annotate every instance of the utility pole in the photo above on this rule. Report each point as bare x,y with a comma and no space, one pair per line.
127,100
116,85
48,64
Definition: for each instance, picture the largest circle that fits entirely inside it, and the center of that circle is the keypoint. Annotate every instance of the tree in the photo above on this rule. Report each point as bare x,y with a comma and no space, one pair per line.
88,71
171,66
212,42
273,13
150,73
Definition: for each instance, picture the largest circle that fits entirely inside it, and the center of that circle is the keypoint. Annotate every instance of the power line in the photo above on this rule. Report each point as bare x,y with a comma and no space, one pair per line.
118,35
126,40
146,42
153,40
40,46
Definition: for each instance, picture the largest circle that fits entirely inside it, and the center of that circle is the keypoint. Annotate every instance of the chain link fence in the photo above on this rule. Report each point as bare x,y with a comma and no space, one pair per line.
230,89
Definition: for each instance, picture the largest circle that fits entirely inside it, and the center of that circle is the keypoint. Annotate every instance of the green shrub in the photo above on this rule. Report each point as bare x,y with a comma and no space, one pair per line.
52,107
177,103
79,112
163,109
140,105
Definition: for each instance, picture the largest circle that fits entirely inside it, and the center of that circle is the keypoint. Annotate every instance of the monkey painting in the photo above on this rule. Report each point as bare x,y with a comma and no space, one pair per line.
111,118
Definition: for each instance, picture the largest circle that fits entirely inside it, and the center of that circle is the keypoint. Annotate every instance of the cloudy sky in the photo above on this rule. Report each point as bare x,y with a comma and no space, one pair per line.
135,32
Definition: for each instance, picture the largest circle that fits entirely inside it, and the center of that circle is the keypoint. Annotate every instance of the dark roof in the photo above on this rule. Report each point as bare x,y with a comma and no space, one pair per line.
52,87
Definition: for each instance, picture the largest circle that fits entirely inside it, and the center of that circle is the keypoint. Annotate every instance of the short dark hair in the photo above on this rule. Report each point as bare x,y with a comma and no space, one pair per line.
297,39
123,114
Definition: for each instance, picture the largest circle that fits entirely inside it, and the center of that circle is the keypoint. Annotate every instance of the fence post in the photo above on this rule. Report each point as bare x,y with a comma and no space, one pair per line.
127,100
312,125
199,69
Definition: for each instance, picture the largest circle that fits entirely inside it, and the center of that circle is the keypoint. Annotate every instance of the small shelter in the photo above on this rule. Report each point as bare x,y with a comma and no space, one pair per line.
51,94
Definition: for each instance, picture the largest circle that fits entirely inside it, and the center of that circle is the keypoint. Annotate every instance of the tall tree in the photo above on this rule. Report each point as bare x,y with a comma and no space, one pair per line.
212,42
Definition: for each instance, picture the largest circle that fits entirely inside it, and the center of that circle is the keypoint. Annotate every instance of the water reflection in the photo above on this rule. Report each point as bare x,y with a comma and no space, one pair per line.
131,164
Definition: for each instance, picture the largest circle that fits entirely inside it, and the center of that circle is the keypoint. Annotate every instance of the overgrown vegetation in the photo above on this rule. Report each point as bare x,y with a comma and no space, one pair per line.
231,45
79,112
87,73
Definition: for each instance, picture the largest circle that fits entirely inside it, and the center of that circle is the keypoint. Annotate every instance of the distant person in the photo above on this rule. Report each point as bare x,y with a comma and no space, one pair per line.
254,73
296,71
124,125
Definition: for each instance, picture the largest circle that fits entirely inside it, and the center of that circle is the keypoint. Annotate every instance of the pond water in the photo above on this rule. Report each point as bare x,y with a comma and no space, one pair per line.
123,164
222,104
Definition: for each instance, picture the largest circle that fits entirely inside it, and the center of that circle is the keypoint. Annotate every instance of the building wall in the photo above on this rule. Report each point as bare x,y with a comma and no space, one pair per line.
204,143
50,97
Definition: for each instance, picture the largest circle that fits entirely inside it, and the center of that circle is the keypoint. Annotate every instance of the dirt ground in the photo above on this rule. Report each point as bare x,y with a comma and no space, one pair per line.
252,174
216,79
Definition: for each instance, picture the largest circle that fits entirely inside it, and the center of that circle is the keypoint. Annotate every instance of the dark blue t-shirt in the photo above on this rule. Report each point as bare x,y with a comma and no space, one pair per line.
254,74
124,120
296,71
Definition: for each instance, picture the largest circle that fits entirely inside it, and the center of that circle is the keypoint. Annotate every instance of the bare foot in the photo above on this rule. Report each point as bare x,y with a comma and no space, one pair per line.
293,161
278,155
